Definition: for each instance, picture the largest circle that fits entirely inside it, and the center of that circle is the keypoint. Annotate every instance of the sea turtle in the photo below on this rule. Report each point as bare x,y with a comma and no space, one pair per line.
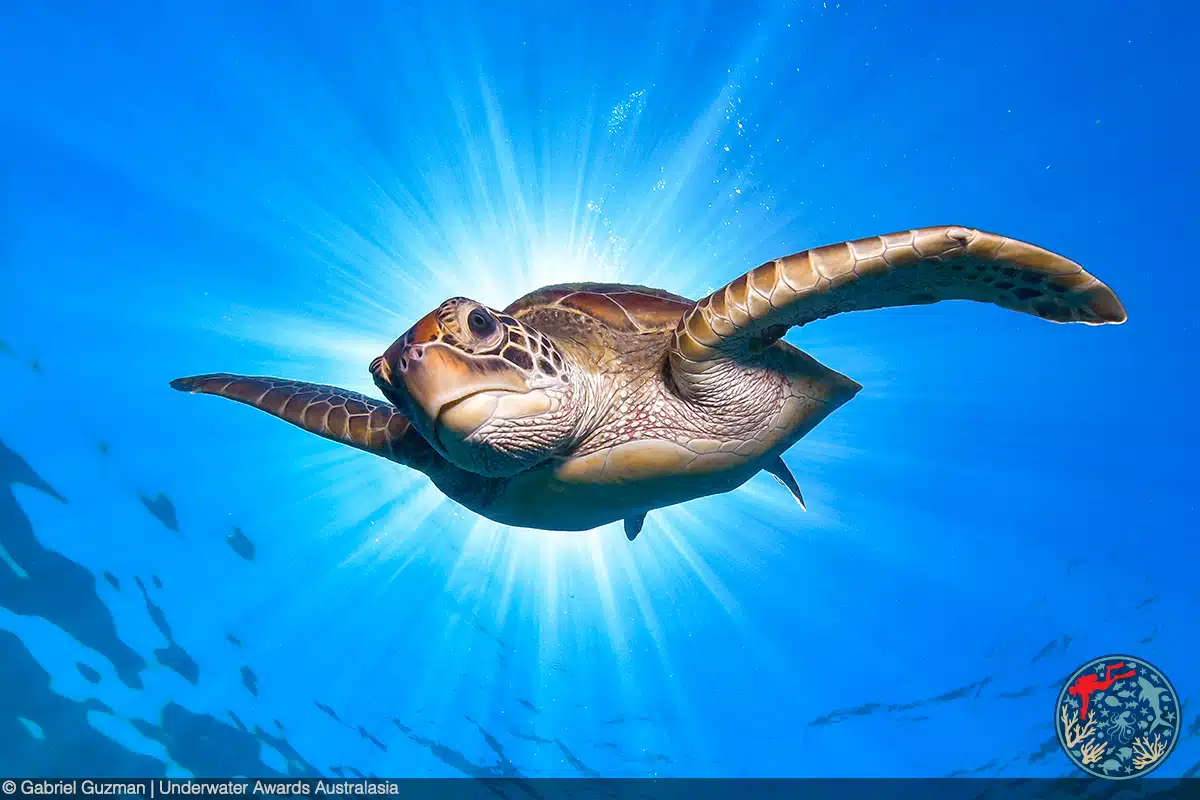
583,404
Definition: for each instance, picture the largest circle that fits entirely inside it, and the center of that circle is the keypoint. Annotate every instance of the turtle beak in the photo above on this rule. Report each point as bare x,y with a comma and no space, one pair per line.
438,376
381,372
387,370
423,376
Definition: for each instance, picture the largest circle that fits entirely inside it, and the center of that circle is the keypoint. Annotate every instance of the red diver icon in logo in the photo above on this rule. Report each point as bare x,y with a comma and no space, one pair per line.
1117,717
1086,684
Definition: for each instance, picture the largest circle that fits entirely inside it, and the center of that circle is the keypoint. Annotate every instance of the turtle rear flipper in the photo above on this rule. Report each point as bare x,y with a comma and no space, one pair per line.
781,473
330,412
633,526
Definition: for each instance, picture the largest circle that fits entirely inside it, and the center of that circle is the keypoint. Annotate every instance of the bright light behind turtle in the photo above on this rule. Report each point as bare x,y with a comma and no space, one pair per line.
578,197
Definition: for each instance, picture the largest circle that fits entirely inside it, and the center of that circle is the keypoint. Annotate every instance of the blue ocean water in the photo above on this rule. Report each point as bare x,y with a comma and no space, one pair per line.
191,587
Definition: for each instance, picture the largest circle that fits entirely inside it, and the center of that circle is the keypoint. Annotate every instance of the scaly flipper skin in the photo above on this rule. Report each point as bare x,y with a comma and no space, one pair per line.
335,414
915,267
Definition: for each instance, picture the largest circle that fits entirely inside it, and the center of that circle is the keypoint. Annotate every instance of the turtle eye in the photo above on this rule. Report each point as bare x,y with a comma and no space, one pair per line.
481,323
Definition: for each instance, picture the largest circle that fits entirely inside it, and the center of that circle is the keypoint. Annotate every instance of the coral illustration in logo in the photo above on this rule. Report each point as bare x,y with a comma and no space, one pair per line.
1117,717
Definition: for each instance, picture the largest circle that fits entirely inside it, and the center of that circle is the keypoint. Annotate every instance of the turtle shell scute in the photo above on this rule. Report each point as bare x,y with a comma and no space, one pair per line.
621,307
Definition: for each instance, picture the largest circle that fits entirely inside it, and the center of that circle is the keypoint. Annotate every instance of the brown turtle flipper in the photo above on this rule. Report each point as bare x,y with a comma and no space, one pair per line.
915,267
336,414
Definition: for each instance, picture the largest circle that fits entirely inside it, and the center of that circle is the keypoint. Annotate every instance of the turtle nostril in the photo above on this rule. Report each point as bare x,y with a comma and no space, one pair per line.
415,352
402,365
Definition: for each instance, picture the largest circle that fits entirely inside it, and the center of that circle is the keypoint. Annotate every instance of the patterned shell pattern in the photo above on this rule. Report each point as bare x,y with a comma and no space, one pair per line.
622,308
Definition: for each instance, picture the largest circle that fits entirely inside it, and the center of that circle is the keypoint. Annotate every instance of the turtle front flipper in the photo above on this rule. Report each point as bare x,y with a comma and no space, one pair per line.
332,413
915,267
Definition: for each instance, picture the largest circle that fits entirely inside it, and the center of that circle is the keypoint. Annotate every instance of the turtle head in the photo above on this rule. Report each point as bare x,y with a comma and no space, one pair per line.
492,395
